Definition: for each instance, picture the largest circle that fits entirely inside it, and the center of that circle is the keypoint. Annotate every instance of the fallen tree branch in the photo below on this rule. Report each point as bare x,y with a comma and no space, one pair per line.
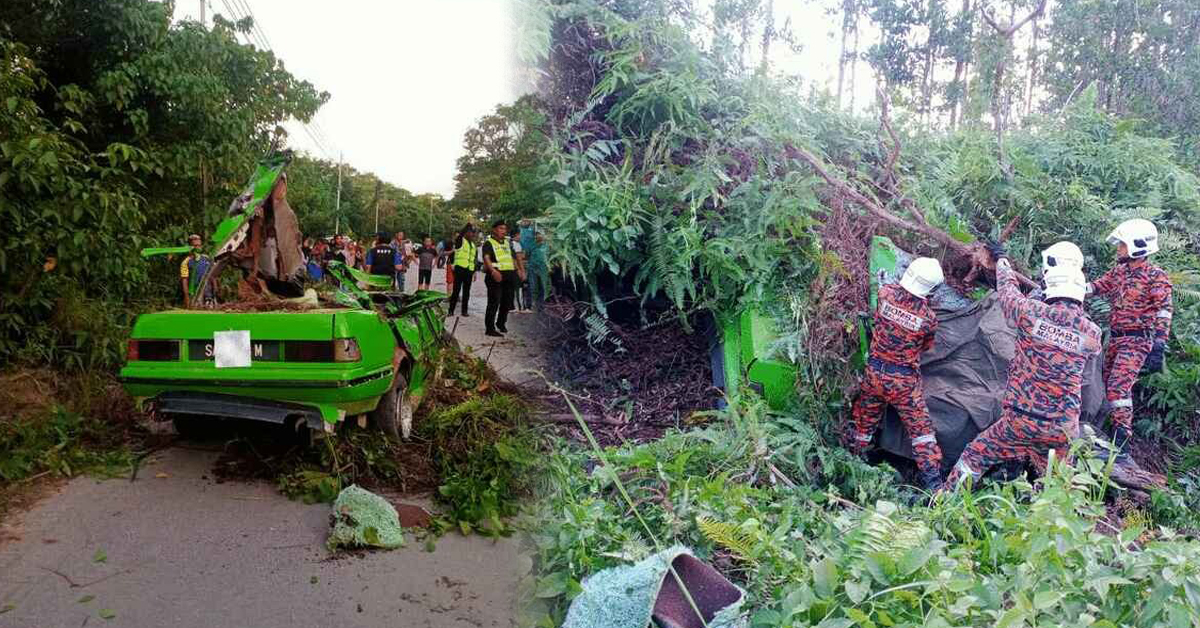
878,211
969,251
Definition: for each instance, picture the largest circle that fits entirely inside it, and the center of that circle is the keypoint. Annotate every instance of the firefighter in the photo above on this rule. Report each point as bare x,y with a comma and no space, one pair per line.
1140,295
1040,409
903,330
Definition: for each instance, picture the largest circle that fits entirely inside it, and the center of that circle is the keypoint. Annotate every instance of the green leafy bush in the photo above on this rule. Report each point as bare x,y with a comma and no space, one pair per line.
484,454
760,499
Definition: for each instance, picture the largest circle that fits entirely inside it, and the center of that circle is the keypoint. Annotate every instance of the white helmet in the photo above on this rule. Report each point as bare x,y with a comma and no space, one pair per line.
1061,254
1139,235
922,276
1065,282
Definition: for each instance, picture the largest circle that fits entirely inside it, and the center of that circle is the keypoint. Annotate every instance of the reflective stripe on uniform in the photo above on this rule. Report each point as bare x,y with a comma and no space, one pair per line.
1164,313
1122,403
965,469
928,438
502,255
865,438
464,256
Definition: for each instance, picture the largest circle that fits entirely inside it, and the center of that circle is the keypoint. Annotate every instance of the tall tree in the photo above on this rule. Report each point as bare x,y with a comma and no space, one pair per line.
498,173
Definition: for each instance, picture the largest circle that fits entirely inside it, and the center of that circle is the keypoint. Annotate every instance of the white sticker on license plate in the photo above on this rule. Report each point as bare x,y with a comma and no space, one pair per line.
231,349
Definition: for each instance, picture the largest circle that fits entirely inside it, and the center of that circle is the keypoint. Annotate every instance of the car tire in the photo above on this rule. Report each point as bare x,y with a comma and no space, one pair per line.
394,414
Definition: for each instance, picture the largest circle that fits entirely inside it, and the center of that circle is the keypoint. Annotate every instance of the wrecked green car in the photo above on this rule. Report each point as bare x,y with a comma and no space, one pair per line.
285,352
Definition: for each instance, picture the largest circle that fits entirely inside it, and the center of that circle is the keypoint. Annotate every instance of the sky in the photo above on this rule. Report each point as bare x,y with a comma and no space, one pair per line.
408,77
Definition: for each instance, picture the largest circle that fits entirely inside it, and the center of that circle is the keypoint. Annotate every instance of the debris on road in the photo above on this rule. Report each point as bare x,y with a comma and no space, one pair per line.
363,519
631,596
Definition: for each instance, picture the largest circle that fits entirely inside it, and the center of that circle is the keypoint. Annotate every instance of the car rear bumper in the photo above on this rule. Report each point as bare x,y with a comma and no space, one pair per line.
332,397
237,407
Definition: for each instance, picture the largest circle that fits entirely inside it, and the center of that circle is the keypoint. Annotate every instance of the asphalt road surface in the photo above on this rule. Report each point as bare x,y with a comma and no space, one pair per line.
175,548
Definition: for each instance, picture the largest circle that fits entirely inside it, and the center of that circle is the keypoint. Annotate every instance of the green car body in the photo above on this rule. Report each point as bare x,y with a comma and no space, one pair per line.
315,364
392,349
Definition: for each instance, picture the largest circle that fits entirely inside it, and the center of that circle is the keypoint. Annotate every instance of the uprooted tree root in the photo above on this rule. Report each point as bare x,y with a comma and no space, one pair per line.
636,383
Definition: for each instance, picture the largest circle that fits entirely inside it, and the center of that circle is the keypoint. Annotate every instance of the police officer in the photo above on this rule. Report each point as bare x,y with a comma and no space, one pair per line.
903,330
463,267
1045,378
383,259
500,276
1140,294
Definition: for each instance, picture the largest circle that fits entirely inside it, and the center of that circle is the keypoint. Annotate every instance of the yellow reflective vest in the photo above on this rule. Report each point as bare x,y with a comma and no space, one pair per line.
464,256
504,257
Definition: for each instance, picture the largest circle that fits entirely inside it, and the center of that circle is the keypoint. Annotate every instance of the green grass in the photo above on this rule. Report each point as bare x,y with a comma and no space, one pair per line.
818,538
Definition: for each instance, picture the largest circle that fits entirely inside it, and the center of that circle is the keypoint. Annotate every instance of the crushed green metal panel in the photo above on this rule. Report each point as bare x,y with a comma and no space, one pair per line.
882,257
747,341
165,250
259,186
731,345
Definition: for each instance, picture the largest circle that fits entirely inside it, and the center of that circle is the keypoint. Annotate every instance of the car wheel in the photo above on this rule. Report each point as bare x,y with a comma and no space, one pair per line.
393,416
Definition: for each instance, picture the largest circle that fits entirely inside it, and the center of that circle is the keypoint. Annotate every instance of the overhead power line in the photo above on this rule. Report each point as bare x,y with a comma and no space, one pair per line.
257,36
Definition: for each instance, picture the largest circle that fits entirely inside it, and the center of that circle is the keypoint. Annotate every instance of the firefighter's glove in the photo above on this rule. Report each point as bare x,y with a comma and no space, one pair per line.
1154,359
996,250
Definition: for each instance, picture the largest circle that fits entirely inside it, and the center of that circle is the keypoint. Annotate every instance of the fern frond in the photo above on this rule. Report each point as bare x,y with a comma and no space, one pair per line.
599,331
729,536
882,531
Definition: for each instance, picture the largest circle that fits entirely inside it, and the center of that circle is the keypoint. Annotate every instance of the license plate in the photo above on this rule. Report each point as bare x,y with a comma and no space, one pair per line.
260,350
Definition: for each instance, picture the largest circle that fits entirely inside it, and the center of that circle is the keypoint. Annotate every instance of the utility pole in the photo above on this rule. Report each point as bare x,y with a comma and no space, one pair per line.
337,207
202,12
429,228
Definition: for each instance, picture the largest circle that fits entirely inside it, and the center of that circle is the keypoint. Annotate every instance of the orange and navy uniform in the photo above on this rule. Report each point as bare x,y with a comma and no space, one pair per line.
1045,378
904,329
1140,295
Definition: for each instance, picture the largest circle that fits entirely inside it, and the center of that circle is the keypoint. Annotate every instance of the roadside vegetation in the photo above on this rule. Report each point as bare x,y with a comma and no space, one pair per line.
58,427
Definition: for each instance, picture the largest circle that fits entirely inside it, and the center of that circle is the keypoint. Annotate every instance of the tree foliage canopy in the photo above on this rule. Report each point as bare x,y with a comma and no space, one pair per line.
120,130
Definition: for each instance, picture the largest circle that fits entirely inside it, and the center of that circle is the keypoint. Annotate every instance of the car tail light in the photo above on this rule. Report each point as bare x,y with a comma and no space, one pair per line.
346,350
152,350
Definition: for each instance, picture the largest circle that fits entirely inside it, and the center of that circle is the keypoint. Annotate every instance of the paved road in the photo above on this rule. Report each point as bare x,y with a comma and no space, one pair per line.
184,551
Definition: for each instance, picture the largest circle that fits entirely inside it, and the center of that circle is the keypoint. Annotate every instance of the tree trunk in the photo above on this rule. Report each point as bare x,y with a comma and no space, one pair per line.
846,7
854,63
960,68
927,73
1031,83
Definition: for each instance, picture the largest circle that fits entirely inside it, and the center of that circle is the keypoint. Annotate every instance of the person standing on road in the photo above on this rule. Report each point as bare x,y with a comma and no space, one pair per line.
1040,409
538,271
904,329
520,303
399,245
464,267
500,276
426,255
192,270
382,259
1140,294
